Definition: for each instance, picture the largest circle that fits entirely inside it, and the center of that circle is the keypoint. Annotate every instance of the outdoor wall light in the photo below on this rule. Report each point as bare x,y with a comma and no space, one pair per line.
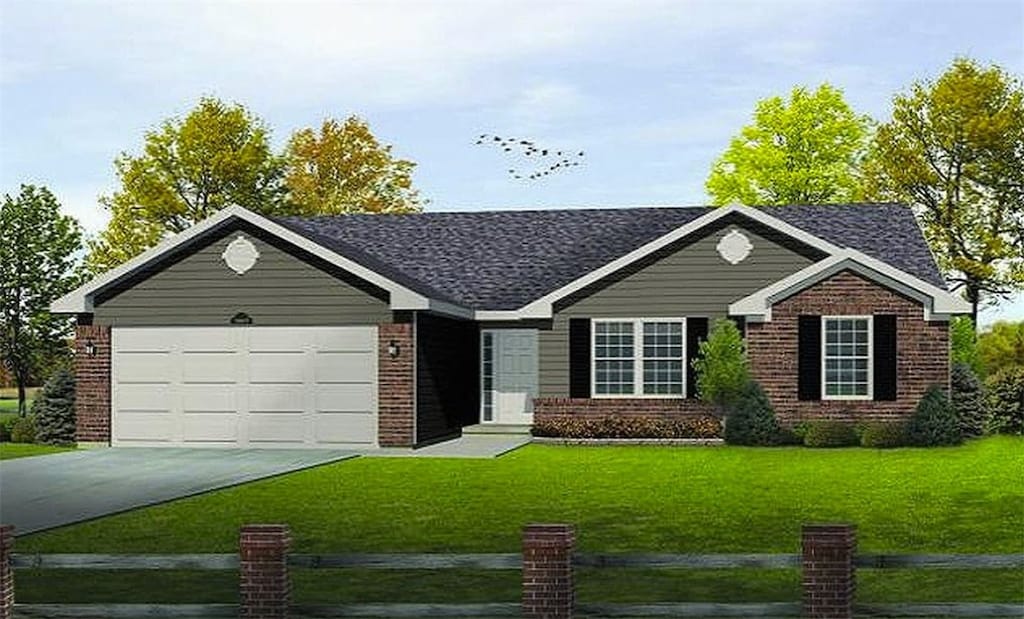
393,349
241,318
90,347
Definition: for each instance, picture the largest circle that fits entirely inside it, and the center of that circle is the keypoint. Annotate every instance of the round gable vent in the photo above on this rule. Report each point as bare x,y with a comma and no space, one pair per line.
734,247
240,255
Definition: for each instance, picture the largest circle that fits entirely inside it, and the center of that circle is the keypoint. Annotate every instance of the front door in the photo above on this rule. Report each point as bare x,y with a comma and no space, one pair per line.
509,375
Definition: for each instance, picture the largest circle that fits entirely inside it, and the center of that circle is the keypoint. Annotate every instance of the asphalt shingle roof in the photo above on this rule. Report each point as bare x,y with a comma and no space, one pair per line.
504,259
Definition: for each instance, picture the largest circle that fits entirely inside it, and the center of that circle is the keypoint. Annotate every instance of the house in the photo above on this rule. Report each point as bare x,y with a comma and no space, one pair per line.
399,330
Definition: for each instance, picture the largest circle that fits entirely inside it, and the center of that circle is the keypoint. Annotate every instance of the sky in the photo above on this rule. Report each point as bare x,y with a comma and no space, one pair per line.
650,91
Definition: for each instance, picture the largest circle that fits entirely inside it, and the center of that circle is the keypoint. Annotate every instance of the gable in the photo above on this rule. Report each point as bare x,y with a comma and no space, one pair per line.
285,287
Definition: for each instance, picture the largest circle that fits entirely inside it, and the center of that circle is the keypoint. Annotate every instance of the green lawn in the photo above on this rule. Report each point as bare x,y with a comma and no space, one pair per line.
9,451
968,499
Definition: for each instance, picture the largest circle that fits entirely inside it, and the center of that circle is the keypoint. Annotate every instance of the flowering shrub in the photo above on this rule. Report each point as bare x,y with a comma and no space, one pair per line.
627,426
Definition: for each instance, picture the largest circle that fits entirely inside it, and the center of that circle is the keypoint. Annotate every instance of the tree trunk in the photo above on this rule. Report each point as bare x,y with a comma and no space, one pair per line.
21,394
973,294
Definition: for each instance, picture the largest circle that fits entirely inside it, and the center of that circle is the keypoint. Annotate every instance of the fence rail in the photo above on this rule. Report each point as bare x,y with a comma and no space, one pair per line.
548,563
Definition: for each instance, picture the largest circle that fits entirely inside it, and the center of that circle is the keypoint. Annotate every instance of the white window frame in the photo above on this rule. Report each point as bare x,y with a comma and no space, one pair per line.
484,334
871,357
638,359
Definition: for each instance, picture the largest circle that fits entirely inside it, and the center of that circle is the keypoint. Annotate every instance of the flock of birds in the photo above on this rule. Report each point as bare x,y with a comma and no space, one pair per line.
541,161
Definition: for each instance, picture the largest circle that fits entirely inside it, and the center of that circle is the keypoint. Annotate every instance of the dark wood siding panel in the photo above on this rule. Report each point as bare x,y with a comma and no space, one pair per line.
885,361
280,290
447,376
690,279
809,358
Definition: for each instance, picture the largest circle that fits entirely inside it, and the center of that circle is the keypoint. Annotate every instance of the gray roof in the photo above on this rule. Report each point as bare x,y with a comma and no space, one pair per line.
504,259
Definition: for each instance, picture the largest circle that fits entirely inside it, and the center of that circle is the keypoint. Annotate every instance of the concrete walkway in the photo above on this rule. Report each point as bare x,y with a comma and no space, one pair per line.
466,446
43,492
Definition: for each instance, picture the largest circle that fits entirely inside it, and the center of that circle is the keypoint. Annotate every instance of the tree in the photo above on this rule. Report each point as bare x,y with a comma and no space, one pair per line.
54,410
721,366
38,247
802,151
343,168
954,150
218,155
963,343
1002,346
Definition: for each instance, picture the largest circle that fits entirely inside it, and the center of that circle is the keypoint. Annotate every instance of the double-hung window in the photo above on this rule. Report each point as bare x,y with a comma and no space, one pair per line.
643,357
846,357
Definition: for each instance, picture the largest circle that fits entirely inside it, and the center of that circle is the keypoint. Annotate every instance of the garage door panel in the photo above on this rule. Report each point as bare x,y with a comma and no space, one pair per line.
146,426
276,398
144,368
279,339
208,398
209,367
354,339
344,428
210,427
210,340
345,398
344,367
277,367
145,397
142,340
276,428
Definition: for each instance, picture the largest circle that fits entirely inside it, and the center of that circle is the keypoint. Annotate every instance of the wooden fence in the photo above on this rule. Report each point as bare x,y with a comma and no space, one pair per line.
828,564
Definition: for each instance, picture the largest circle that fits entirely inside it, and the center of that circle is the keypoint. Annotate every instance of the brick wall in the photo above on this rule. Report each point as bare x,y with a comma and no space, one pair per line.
92,386
396,402
828,574
6,571
552,408
922,349
264,585
549,591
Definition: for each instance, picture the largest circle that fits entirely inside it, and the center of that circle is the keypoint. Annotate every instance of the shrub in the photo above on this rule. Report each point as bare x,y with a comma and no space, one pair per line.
968,400
24,430
1001,347
627,426
963,343
828,433
1005,399
721,366
54,409
750,419
934,421
6,425
883,434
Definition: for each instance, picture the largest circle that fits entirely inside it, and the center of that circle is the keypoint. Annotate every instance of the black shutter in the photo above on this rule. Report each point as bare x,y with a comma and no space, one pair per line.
809,358
579,357
696,332
885,356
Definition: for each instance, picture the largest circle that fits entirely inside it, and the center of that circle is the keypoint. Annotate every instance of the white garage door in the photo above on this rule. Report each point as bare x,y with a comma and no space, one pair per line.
244,386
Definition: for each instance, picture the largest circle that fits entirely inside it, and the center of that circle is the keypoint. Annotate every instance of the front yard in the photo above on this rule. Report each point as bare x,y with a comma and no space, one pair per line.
10,451
967,499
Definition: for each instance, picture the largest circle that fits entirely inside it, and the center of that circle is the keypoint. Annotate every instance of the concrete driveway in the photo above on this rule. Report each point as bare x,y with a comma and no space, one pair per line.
43,492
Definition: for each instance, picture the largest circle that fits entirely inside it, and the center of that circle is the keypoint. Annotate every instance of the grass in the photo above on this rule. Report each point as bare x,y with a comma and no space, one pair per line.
9,399
968,499
9,451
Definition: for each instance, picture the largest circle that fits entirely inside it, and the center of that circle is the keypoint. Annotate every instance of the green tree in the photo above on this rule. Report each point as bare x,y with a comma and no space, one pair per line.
954,149
216,156
1002,347
343,168
38,249
721,366
963,343
801,151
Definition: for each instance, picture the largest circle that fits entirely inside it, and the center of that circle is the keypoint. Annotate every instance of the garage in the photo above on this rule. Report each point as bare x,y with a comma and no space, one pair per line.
244,386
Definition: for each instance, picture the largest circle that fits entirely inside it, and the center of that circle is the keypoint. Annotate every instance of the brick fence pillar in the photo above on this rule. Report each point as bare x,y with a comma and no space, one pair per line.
396,418
263,556
6,571
92,384
829,579
548,588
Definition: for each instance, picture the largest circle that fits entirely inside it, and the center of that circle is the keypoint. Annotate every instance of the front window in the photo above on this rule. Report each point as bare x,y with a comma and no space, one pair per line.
639,358
487,375
846,358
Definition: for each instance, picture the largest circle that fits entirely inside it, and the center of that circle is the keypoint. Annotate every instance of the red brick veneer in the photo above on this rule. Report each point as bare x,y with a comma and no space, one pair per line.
829,576
264,585
549,590
922,349
92,384
659,408
396,419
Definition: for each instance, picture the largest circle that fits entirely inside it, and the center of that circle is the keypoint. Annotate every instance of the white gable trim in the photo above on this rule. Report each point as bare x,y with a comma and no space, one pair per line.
542,307
80,300
938,304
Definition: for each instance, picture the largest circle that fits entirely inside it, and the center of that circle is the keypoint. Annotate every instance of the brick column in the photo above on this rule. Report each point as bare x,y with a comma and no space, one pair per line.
92,384
264,585
829,579
548,588
396,417
6,571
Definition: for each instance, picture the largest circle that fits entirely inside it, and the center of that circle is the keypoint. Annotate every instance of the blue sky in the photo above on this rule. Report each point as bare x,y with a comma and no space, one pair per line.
651,91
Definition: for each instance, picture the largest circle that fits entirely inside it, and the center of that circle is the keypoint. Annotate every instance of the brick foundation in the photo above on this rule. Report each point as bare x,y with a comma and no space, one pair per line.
922,350
265,589
92,384
548,588
829,576
6,571
660,408
396,420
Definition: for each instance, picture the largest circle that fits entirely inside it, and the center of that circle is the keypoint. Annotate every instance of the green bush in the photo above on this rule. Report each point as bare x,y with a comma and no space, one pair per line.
54,409
963,343
750,419
828,433
24,430
627,426
1005,398
1001,347
6,425
934,421
721,366
968,400
883,434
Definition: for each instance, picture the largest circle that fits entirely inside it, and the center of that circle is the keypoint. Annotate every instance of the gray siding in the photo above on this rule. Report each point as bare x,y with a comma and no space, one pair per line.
687,280
280,290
